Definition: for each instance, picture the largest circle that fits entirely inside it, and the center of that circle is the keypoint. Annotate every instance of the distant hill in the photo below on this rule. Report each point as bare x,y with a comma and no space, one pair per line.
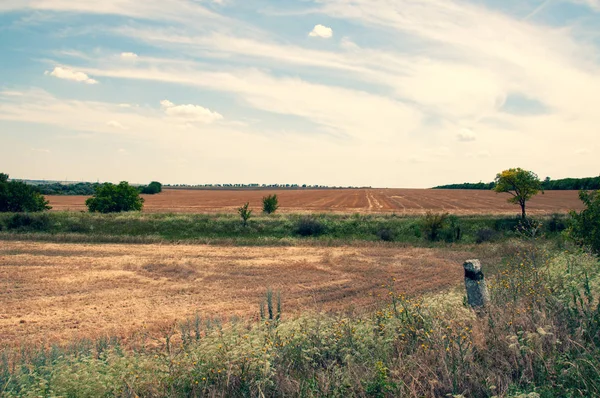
564,184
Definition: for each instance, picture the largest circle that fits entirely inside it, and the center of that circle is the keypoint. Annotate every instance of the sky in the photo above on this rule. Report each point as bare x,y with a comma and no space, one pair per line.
382,93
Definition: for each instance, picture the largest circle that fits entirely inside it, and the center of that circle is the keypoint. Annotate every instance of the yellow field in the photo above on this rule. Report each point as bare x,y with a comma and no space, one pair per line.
59,292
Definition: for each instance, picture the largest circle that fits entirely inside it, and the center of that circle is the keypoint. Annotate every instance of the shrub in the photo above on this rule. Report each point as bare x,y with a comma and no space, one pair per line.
151,189
18,197
26,221
245,213
557,223
453,231
484,235
432,225
585,228
308,226
386,234
270,204
111,198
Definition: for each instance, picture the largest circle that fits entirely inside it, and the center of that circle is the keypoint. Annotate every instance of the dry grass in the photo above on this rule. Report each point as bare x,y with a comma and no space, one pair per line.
60,292
400,201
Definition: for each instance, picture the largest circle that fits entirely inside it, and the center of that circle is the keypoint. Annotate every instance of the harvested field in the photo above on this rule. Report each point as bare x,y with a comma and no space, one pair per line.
399,201
60,292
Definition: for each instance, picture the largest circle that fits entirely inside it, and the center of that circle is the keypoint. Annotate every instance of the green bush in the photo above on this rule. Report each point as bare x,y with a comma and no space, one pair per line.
18,197
29,222
309,226
484,235
245,213
433,224
270,204
111,198
585,228
386,234
151,189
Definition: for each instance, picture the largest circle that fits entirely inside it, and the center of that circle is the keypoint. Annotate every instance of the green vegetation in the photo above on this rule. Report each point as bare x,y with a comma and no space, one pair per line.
245,213
151,189
16,196
265,229
585,228
80,188
270,204
111,198
521,184
539,337
564,184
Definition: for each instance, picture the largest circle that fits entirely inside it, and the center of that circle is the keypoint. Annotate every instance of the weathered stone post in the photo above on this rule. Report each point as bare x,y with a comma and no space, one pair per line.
477,292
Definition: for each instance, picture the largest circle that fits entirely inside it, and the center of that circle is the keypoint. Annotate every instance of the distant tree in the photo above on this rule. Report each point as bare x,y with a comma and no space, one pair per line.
245,213
153,188
111,198
270,204
16,196
521,184
585,226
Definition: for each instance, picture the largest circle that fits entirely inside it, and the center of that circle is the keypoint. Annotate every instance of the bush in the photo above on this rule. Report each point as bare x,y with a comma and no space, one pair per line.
28,222
18,197
151,189
245,213
386,234
308,226
484,235
433,224
585,228
270,204
453,231
111,198
557,223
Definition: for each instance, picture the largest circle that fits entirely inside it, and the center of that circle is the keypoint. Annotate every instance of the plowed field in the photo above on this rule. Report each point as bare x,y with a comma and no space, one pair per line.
60,292
399,201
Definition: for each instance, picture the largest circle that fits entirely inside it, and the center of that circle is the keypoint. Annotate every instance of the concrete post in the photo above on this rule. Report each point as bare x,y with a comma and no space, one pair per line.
477,292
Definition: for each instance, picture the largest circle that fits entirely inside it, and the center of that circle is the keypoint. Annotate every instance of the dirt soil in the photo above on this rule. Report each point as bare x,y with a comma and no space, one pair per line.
54,293
399,201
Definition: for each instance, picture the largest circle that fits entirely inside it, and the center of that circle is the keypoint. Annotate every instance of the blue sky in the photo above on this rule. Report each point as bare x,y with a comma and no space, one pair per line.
403,93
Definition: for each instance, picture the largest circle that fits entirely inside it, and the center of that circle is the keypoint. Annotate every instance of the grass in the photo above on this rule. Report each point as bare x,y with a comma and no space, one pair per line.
539,337
282,229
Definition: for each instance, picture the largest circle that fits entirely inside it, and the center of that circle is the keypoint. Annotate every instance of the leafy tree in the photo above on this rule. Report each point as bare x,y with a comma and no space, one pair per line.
16,196
270,203
153,188
245,213
585,227
521,184
111,198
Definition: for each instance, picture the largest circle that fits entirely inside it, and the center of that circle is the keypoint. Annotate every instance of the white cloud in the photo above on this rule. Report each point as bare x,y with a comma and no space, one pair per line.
70,74
190,112
115,124
321,31
129,55
466,135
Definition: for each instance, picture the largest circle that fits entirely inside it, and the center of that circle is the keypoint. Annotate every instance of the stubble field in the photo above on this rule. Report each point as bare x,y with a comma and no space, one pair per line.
56,293
399,201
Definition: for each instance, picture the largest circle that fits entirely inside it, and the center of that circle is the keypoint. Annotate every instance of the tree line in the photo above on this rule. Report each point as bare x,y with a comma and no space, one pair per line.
563,184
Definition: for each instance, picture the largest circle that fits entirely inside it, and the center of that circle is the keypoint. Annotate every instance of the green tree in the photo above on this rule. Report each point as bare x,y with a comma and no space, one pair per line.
585,226
16,196
245,213
521,184
111,198
153,188
270,203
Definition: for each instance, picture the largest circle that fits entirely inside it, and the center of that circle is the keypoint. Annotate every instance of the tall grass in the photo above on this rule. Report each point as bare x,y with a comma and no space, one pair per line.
322,227
539,337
